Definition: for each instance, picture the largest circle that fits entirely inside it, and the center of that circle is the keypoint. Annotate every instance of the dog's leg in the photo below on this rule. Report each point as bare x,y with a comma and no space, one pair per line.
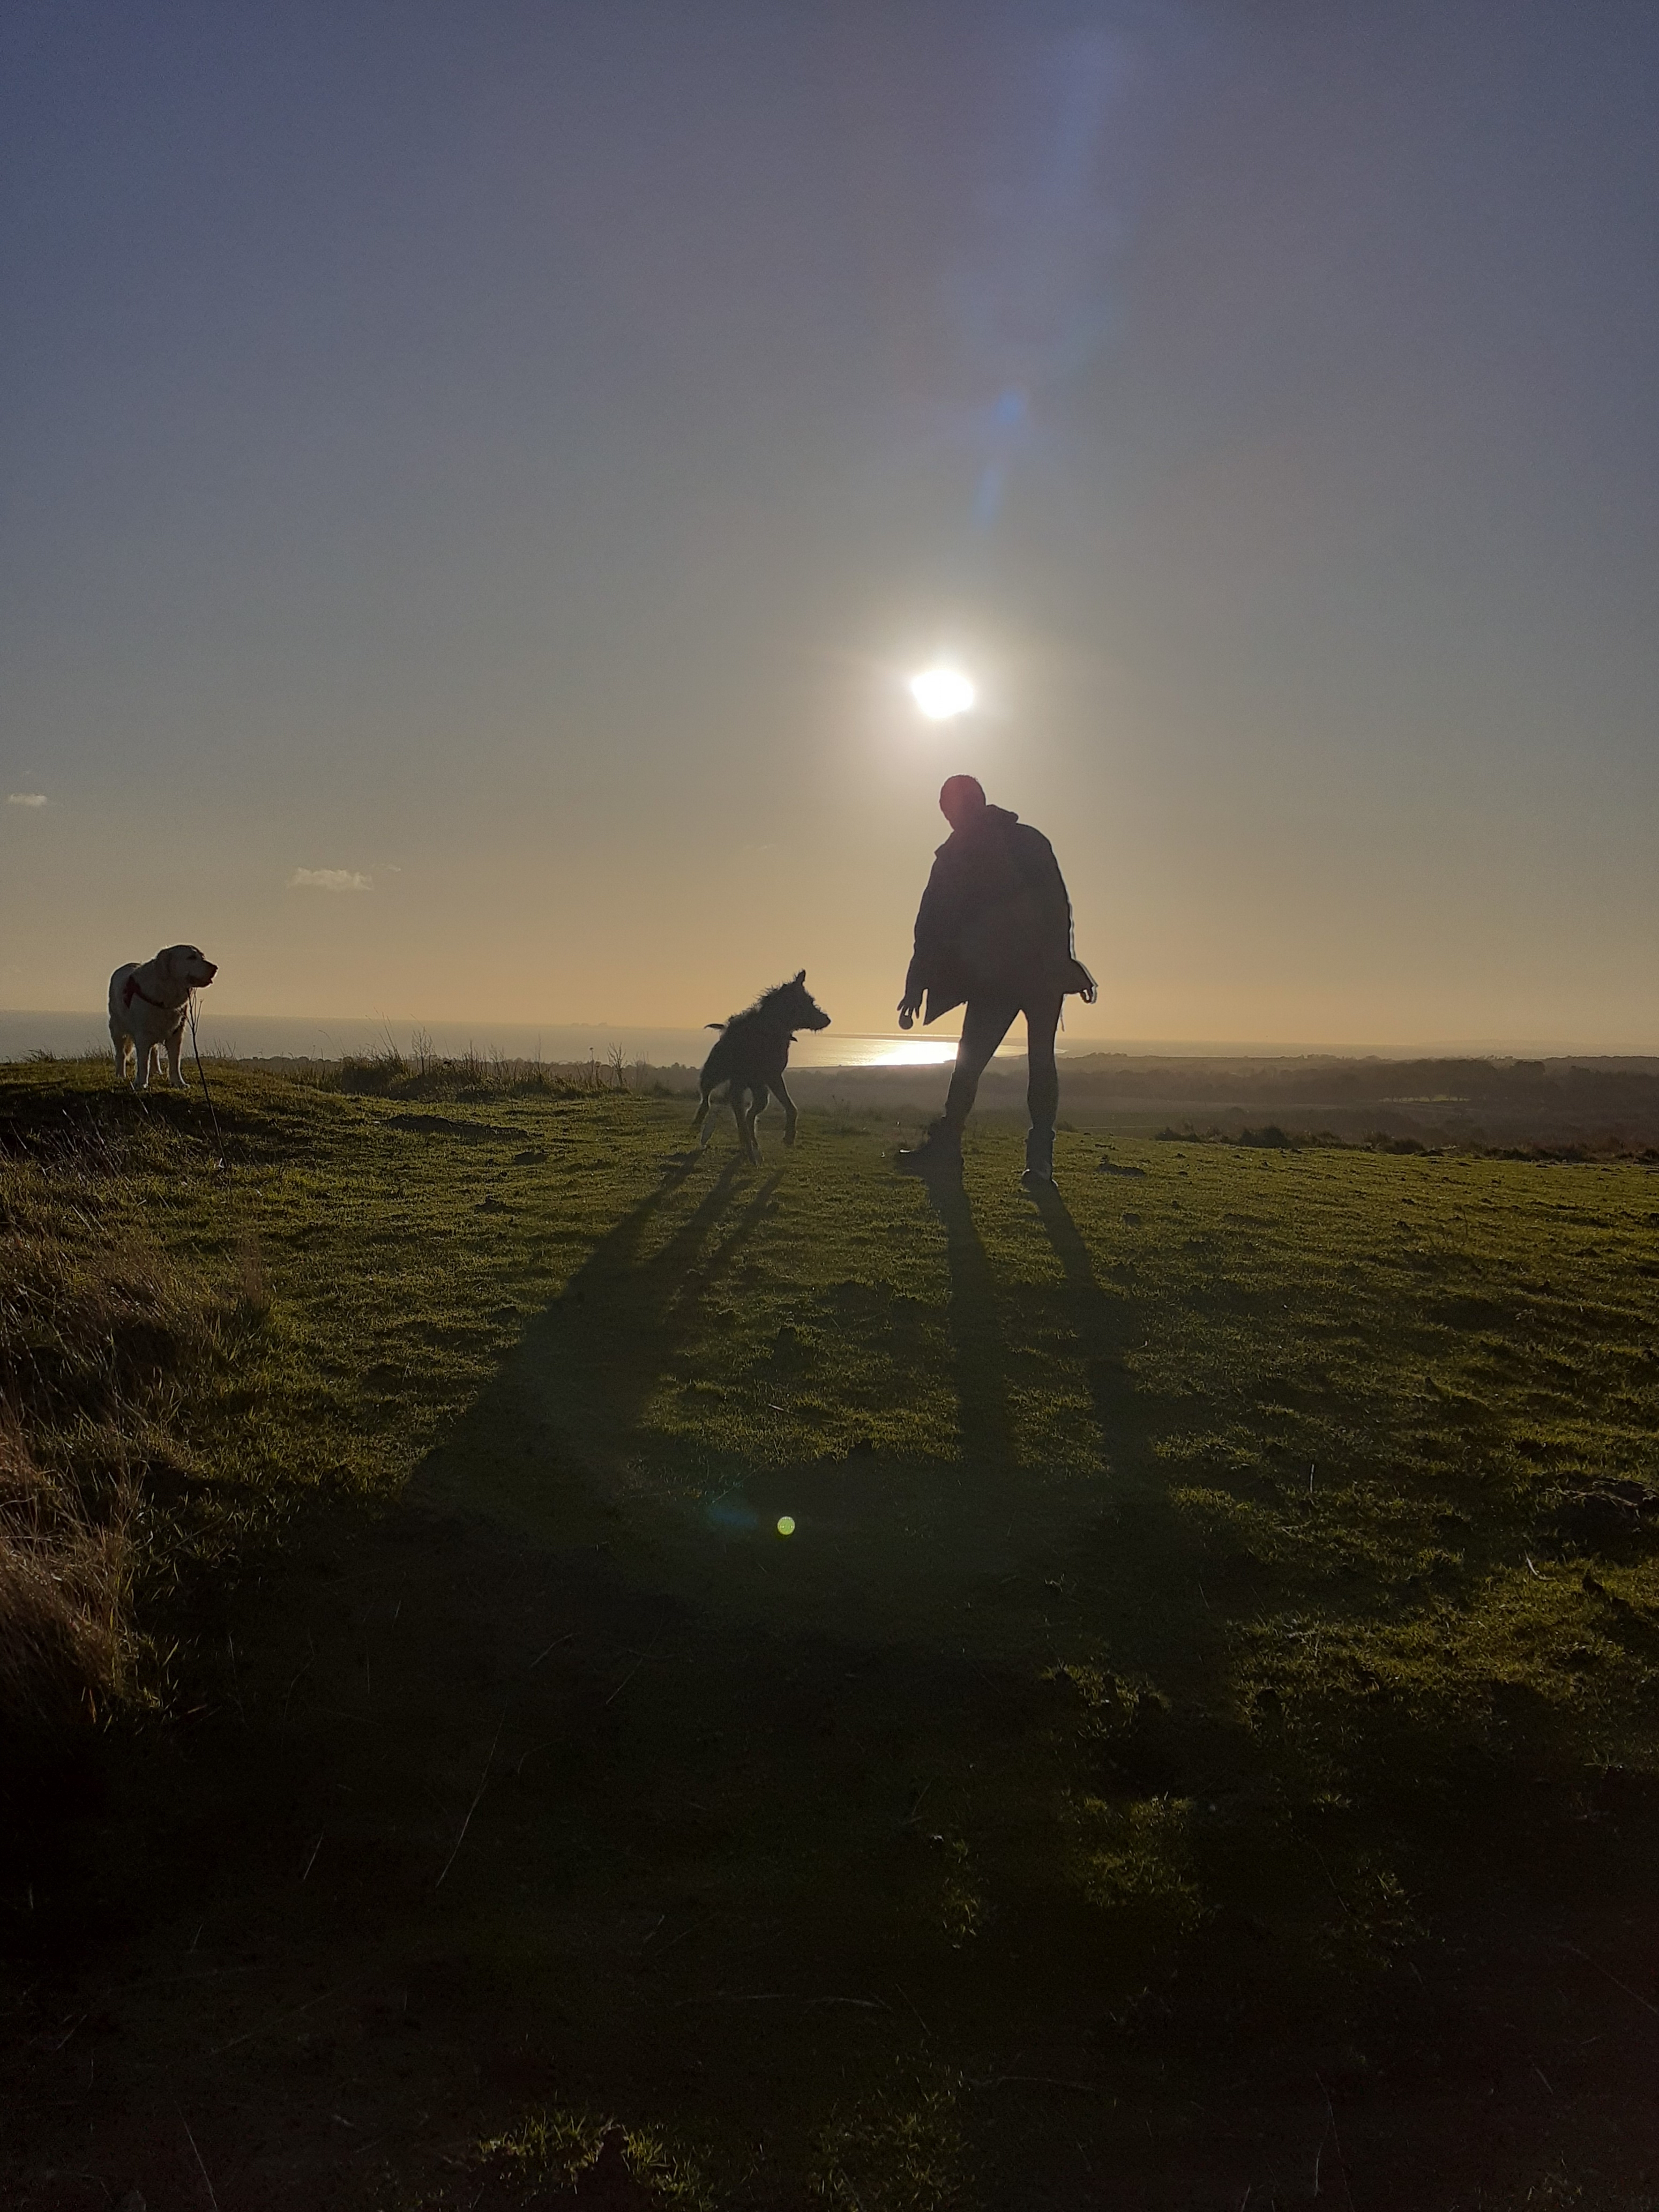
739,1097
175,1050
144,1056
701,1121
782,1095
120,1044
757,1098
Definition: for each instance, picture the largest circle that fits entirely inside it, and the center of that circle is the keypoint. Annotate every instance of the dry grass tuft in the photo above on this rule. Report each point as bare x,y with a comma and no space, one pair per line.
102,1335
425,1072
63,1584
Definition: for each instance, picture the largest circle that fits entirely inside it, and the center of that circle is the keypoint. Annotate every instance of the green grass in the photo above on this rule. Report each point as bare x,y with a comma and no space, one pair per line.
1205,1584
164,1410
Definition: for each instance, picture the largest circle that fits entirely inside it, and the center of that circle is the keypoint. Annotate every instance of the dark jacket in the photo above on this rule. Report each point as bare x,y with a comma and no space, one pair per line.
994,921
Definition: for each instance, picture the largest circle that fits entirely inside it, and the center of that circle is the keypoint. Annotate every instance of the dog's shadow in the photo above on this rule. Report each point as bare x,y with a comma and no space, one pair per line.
577,1385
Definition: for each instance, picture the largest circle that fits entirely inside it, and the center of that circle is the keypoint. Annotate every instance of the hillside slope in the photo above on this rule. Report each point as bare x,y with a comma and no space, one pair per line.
1197,1724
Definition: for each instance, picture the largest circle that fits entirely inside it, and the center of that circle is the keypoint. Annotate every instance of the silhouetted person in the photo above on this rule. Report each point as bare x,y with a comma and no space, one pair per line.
994,931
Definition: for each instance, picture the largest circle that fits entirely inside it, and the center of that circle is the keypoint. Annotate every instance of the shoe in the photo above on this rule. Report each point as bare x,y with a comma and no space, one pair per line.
1039,1159
939,1153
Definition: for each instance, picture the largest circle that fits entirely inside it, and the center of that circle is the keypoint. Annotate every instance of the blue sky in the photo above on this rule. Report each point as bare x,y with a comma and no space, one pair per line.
476,479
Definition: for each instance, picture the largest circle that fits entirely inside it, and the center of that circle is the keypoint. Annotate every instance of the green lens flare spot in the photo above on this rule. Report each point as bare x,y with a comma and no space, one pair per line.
786,1524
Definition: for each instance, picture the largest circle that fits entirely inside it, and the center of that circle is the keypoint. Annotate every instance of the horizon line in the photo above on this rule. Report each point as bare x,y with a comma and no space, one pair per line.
611,1033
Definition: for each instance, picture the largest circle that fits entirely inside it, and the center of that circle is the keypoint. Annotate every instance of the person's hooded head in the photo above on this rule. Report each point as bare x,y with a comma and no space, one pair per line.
962,801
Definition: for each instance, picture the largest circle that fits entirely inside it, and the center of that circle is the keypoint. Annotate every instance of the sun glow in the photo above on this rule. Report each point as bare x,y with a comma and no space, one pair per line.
942,693
917,1051
851,1050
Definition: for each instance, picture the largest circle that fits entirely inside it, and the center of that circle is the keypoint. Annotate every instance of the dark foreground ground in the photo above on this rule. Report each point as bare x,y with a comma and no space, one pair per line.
1195,1747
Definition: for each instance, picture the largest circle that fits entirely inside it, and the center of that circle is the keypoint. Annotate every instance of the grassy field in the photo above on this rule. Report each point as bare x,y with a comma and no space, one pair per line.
1195,1746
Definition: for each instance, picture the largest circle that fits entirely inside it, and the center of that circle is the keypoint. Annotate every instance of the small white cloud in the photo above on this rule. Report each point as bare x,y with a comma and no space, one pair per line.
327,879
26,798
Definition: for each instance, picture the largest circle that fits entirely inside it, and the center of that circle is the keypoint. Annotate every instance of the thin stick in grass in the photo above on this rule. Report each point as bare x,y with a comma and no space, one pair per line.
473,1807
207,2179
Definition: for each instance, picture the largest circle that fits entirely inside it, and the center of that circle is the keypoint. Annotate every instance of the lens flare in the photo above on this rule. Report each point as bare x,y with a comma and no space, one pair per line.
786,1524
941,692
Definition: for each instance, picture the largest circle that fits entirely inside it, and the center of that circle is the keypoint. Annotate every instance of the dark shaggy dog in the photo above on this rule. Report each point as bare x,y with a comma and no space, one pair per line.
751,1056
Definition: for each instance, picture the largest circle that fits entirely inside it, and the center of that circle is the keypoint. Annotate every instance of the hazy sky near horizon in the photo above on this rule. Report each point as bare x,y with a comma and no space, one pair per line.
477,476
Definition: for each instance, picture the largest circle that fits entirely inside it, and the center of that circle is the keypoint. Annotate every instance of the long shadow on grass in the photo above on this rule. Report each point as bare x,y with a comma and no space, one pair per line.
977,1336
1135,1571
1141,1564
585,1368
477,1824
1101,1336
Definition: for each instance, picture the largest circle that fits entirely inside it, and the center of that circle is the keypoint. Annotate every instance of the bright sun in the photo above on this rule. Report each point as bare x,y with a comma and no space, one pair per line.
942,693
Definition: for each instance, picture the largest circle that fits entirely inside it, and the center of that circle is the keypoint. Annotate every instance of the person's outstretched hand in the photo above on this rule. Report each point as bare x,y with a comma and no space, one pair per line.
909,1009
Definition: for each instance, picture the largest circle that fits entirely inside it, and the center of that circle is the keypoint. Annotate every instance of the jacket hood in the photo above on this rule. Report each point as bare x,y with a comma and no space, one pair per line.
1004,816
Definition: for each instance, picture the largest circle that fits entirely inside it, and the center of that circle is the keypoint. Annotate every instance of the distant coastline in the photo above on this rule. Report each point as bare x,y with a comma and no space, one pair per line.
272,1037
1467,1098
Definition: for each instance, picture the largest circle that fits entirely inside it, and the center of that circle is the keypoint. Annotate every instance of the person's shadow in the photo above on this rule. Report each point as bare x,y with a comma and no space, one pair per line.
979,1339
977,1342
1139,1552
1101,1333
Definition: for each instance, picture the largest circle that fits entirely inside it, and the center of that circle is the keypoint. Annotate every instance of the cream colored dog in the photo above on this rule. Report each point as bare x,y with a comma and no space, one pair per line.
147,1008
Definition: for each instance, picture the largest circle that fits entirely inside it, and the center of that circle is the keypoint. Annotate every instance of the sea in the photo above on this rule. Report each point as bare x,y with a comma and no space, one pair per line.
296,1037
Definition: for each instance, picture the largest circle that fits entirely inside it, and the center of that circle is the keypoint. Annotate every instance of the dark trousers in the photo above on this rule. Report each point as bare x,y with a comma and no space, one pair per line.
985,1023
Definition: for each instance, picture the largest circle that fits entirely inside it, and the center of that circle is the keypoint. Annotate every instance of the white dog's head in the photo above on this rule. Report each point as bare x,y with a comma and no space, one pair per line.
187,967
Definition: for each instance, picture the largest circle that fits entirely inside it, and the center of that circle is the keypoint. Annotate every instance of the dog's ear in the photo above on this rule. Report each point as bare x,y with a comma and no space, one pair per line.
801,977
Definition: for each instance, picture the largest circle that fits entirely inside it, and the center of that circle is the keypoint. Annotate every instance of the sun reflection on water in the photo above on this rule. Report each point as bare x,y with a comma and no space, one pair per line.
829,1050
